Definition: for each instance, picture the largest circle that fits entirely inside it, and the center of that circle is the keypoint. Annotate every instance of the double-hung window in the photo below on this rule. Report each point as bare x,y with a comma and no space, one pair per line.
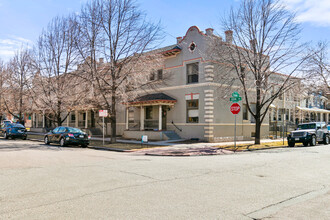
192,111
192,73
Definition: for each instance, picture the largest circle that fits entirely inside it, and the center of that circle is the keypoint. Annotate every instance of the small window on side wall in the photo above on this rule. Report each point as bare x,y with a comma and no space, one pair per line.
152,76
192,111
192,73
245,112
160,74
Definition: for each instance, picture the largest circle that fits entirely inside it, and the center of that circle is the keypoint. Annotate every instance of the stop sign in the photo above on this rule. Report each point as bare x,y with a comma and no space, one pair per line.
235,108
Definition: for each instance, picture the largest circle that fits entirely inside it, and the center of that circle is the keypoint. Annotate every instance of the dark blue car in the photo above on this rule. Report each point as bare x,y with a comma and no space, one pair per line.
13,130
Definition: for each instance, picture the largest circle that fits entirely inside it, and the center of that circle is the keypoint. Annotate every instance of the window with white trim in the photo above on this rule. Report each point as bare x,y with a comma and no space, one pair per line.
192,73
192,111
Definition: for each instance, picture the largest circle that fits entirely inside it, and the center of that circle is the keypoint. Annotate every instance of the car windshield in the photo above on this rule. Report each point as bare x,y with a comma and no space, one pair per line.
75,130
18,126
306,126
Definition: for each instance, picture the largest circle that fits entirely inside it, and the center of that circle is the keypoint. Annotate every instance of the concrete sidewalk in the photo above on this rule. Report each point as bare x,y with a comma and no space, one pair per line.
194,149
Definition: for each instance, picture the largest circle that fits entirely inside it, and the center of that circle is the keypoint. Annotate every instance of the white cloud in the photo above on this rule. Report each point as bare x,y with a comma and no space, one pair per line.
10,44
315,12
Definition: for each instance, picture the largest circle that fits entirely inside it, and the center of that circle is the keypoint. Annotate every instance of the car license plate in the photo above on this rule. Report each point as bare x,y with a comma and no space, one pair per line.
297,139
19,131
81,136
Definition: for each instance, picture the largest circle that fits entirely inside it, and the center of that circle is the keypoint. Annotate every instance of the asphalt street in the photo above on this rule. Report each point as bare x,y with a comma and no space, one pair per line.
49,182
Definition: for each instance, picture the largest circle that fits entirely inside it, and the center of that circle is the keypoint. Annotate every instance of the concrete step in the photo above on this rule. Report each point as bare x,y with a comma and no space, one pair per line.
172,135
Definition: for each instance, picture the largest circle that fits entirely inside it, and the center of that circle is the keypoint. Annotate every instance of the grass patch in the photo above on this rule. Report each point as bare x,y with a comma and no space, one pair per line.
244,147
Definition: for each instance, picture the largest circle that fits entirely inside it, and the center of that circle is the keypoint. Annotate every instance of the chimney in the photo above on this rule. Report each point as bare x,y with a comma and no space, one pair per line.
253,44
178,39
209,31
101,60
229,36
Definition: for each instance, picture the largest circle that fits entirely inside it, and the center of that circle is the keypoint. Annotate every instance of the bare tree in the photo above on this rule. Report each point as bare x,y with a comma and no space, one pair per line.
317,67
117,31
265,42
2,79
16,95
54,87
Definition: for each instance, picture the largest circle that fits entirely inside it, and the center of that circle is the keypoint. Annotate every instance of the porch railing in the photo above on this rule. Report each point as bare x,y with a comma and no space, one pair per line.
134,125
151,124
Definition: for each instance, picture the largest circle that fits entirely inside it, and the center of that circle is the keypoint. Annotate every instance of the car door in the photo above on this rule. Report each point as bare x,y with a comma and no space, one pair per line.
52,136
61,132
319,132
57,134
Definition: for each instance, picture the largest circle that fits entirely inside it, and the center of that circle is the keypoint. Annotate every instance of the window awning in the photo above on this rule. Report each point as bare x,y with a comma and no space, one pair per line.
152,99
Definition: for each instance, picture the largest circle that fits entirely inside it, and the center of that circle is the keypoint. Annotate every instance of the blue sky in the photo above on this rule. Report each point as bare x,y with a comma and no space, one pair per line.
23,20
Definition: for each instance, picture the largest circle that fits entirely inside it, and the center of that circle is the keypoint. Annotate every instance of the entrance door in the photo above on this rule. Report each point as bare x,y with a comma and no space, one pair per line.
164,117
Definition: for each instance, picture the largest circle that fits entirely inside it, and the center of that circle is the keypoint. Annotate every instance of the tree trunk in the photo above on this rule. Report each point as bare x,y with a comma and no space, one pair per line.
113,120
257,131
258,116
59,120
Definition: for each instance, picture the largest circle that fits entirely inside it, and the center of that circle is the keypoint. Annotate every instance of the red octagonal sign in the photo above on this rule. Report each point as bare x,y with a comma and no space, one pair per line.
235,108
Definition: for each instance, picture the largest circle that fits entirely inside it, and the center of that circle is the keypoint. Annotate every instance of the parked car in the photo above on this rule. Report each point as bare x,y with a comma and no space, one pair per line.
309,133
13,130
67,136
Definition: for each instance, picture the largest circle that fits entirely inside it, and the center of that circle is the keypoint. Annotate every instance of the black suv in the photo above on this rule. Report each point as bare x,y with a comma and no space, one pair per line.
309,133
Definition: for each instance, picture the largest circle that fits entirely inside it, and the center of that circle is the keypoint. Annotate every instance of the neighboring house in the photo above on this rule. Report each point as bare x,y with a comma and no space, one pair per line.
313,108
293,107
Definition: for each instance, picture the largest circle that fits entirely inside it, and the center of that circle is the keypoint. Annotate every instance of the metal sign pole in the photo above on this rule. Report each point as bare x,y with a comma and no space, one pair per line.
103,130
235,134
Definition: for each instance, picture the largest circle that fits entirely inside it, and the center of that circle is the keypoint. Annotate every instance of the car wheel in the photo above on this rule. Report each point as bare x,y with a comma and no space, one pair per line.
305,143
5,135
62,142
326,140
24,138
313,141
84,145
291,143
46,140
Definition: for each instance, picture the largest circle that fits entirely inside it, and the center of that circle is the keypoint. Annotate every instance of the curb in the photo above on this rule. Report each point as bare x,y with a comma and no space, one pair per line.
109,149
39,140
269,148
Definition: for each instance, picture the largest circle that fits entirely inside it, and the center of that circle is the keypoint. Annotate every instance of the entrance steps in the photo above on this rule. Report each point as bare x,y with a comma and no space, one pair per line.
172,135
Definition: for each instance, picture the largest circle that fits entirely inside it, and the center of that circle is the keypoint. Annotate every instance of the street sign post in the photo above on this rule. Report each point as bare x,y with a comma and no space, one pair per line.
235,108
103,114
235,99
